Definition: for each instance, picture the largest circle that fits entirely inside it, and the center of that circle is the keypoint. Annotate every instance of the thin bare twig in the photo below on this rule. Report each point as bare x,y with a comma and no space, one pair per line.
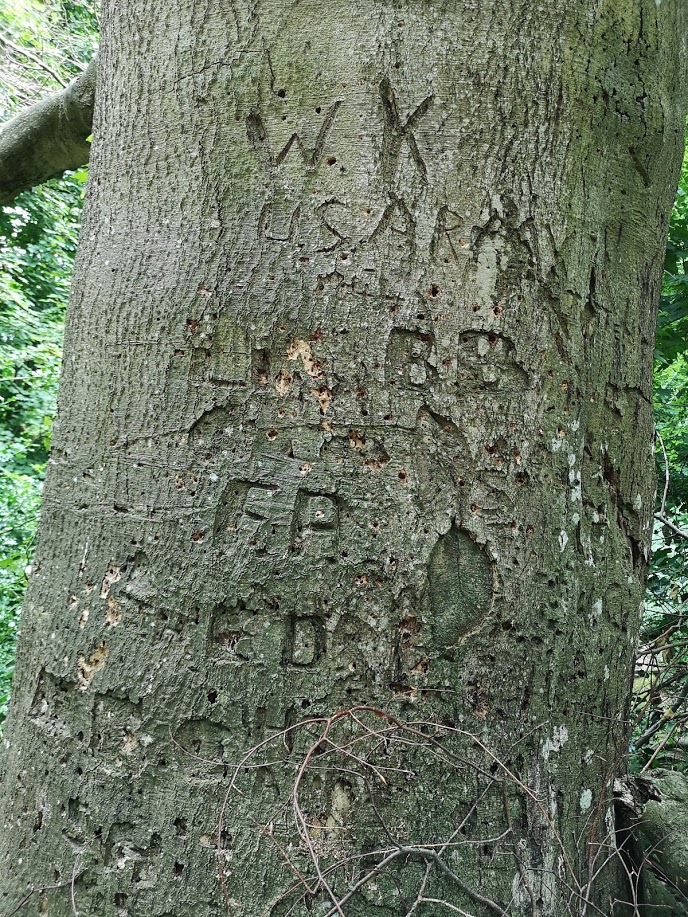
662,509
669,524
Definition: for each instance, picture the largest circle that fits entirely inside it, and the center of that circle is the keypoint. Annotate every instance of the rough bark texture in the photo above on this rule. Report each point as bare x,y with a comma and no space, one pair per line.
356,410
49,138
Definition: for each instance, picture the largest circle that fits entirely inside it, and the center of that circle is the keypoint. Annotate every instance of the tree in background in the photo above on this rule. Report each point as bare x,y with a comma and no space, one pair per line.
363,463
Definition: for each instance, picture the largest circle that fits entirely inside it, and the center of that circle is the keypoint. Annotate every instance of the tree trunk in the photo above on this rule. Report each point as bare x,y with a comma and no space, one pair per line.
355,423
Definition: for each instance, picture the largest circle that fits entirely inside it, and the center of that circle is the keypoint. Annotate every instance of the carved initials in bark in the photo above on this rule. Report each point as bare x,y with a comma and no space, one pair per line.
227,360
447,240
407,232
397,133
305,641
317,524
258,136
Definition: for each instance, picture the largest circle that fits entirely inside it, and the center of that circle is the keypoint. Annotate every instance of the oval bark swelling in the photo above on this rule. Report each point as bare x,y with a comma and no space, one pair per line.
350,275
461,585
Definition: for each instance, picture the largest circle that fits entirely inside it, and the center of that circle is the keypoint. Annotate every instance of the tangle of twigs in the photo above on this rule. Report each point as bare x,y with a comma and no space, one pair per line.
350,827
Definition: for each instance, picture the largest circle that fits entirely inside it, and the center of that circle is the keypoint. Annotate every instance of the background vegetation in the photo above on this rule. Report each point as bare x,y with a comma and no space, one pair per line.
43,43
42,46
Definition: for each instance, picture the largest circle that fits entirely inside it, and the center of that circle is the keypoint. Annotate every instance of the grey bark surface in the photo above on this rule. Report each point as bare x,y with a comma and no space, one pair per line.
356,410
49,137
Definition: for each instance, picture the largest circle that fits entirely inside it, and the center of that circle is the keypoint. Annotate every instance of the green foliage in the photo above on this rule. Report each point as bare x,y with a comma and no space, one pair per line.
660,737
38,239
672,321
43,44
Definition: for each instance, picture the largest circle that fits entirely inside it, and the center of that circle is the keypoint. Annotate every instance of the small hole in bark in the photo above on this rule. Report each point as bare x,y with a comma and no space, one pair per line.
212,696
178,869
331,160
282,93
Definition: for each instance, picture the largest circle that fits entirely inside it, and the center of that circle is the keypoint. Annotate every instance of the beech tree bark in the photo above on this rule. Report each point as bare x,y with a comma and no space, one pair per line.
49,137
355,427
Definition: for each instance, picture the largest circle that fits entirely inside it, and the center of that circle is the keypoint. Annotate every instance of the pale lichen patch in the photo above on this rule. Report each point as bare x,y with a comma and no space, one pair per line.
560,736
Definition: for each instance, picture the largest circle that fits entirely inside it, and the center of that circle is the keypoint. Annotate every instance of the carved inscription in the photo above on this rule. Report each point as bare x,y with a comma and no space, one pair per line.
317,524
399,132
397,226
228,640
257,134
225,359
52,706
304,642
210,428
407,360
450,237
489,360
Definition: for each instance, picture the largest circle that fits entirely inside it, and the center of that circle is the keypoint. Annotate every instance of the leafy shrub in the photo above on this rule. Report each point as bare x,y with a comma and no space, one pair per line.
38,239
